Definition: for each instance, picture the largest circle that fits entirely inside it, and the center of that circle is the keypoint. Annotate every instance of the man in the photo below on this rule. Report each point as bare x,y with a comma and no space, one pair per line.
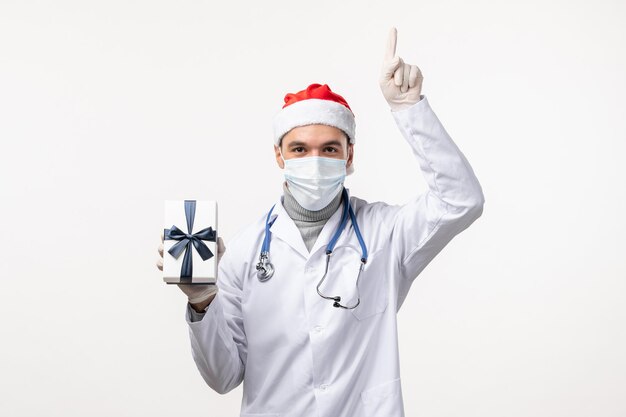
318,337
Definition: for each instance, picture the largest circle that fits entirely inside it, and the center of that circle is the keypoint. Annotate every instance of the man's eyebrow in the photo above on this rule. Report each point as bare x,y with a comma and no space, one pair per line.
335,142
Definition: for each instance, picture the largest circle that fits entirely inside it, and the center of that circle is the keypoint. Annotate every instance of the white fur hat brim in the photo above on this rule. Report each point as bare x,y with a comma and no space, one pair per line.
314,111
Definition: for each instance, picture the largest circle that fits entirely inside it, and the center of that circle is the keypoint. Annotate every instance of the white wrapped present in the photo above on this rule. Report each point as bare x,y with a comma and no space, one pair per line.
190,242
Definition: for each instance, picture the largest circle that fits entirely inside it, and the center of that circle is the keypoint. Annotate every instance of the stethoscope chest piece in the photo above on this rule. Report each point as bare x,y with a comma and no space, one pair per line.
264,269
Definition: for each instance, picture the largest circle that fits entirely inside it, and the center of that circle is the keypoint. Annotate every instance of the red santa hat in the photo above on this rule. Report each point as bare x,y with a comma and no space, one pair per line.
317,104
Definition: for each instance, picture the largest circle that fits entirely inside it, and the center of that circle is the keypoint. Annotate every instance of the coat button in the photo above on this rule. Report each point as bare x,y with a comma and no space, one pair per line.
318,329
324,387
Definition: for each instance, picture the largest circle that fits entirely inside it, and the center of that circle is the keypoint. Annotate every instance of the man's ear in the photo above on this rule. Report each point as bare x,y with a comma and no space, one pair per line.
350,154
279,159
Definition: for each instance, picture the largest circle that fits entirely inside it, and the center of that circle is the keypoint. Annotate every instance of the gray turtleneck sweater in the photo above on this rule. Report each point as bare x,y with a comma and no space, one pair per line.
310,223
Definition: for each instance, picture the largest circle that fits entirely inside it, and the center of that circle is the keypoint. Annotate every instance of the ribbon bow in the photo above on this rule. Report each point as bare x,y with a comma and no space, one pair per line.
189,240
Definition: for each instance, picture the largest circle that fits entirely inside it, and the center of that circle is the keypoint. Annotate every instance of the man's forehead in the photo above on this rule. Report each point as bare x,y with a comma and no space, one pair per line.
299,142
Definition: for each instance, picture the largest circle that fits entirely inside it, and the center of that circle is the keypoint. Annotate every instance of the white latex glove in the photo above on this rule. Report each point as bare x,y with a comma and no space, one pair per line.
400,83
195,293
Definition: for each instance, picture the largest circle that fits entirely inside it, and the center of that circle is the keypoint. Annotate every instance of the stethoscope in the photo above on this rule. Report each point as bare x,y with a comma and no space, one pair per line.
265,269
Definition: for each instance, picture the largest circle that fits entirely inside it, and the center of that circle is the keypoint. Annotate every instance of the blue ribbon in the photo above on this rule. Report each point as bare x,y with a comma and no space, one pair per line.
188,241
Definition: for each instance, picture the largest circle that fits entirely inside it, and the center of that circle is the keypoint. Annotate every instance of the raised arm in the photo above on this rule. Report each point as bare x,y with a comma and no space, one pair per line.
454,199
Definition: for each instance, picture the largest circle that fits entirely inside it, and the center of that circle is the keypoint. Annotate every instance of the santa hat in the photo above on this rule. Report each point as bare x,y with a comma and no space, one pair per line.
317,104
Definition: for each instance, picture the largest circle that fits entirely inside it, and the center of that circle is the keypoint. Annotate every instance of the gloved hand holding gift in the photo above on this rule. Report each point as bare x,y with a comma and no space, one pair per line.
190,249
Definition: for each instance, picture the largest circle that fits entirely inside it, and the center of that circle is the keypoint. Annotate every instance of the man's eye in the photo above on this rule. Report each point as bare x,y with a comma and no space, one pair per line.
330,149
298,149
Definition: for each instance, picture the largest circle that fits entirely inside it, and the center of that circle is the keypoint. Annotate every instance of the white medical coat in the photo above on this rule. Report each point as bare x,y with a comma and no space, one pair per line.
296,354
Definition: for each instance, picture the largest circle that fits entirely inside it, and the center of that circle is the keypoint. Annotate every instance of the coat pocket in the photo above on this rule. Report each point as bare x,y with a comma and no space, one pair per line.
383,400
369,286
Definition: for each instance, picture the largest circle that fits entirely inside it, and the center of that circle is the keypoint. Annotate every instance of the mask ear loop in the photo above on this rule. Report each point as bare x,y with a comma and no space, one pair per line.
350,169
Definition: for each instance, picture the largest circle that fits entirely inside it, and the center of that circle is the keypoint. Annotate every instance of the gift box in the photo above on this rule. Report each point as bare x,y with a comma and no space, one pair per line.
190,242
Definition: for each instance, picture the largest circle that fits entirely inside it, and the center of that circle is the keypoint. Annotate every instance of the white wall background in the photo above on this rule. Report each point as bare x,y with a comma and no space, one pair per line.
107,108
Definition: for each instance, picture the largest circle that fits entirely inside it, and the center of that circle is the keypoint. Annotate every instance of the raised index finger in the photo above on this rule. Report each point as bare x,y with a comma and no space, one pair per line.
391,44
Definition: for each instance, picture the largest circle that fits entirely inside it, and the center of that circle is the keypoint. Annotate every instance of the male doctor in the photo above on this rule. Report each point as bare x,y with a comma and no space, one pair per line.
318,336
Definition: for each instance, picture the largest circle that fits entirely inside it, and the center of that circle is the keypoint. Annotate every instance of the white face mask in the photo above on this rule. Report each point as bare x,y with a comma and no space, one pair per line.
314,180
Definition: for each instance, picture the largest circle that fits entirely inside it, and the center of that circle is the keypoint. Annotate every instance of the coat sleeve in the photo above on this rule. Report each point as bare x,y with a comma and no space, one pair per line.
453,200
218,341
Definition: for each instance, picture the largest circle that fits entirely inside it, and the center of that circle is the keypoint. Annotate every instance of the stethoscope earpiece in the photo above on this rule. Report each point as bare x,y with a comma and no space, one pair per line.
336,299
